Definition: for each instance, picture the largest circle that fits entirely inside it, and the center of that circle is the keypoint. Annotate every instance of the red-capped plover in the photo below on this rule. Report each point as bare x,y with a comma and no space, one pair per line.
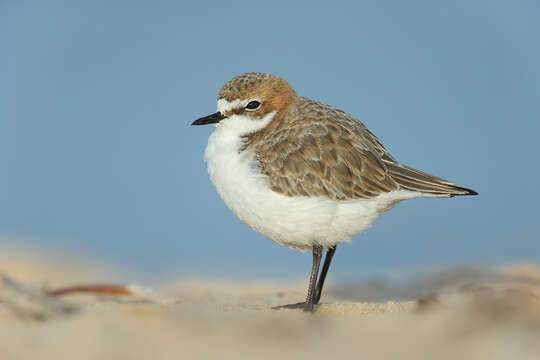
302,173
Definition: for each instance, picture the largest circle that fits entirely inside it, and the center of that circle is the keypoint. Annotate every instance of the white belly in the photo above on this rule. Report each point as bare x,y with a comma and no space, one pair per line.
296,222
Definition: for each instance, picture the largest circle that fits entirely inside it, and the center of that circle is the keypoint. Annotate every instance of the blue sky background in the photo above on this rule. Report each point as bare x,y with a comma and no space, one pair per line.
97,155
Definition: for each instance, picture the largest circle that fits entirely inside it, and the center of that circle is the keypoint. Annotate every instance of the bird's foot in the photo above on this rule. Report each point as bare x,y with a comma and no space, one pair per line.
308,307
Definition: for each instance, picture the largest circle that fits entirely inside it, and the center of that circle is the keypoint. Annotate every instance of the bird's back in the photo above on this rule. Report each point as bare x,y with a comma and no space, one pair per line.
317,150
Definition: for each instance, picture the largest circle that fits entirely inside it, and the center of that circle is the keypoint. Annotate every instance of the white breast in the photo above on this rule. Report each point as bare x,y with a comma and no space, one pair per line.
296,222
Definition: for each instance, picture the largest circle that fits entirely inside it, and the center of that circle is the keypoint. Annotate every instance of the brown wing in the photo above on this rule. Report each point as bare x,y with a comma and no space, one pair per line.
416,180
328,153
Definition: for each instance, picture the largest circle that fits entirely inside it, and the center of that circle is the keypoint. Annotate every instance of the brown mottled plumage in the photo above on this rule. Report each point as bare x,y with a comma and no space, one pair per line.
313,149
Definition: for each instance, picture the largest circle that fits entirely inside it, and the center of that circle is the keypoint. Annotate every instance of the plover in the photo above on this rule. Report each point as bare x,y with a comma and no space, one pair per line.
302,173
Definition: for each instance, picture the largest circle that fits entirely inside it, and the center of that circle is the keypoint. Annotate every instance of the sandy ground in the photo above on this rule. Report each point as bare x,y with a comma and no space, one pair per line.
468,315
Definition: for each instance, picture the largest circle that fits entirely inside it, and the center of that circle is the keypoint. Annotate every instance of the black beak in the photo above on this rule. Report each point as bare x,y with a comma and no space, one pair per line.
210,119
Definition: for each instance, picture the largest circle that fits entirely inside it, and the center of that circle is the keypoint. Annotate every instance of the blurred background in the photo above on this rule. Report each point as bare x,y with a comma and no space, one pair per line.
97,156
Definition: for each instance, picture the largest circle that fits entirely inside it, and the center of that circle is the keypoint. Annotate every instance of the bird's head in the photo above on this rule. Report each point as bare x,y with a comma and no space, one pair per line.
249,102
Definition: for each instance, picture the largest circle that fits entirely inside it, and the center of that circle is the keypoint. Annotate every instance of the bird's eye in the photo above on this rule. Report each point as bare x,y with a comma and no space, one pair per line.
252,105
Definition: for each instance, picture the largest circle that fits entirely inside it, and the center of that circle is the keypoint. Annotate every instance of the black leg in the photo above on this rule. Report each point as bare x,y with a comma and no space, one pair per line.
327,260
310,299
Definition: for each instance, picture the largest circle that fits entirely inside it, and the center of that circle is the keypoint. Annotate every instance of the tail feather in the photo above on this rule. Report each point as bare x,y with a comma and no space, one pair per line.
416,180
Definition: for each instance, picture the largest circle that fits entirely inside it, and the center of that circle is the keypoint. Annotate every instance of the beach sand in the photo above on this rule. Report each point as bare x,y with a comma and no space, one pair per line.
461,315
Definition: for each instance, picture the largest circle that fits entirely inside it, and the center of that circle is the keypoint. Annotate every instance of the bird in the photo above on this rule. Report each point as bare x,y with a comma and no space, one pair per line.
304,174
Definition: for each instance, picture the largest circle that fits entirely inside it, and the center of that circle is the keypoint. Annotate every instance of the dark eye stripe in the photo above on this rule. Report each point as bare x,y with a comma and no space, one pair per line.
253,105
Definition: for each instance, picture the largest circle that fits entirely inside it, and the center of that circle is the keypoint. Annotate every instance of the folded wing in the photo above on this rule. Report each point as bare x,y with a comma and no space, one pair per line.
341,160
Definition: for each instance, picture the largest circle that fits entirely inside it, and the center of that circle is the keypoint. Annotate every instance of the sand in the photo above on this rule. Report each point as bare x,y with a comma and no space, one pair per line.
487,315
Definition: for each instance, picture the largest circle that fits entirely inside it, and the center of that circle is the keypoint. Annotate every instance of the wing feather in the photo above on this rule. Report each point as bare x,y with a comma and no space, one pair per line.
326,152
